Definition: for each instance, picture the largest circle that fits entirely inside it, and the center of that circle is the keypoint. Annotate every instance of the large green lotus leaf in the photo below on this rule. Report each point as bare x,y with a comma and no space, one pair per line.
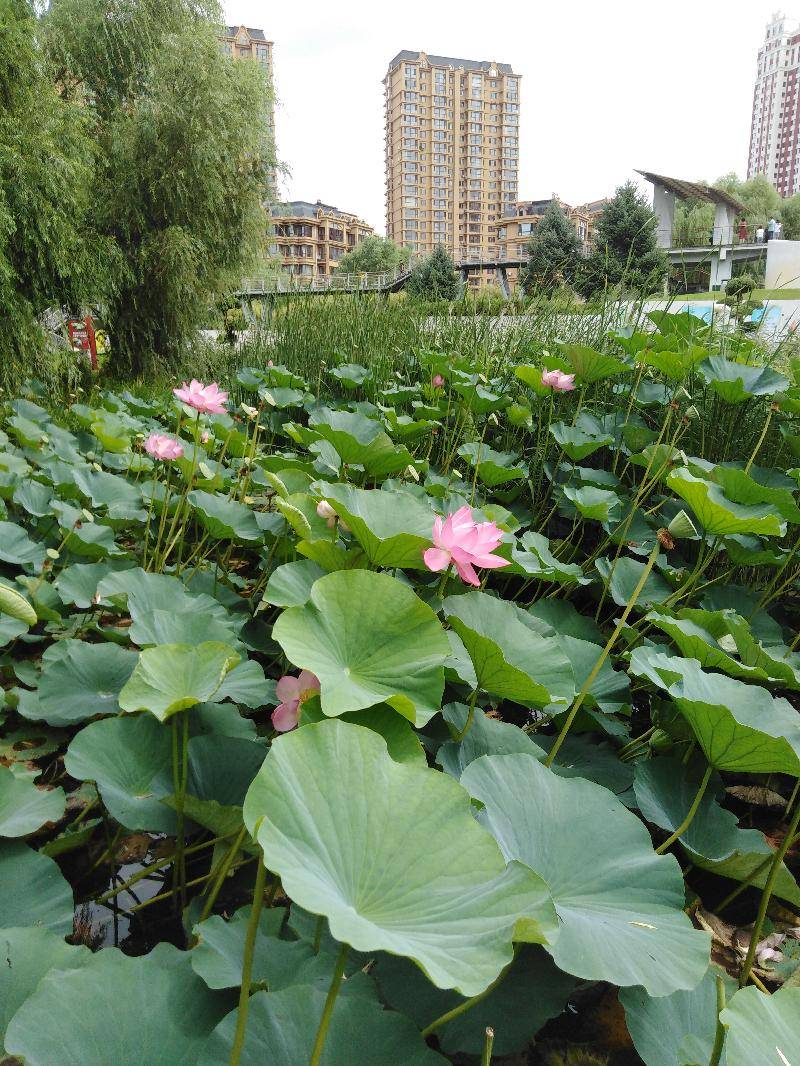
369,640
224,519
579,442
33,891
740,727
746,489
479,399
624,577
120,498
714,637
401,741
590,365
222,768
511,658
17,547
662,1027
393,529
535,559
82,681
92,540
763,1029
173,677
599,505
14,605
673,365
620,906
140,593
28,954
182,627
748,863
719,515
359,440
392,856
493,468
130,761
282,1026
532,991
736,382
114,1008
24,808
582,756
289,585
486,736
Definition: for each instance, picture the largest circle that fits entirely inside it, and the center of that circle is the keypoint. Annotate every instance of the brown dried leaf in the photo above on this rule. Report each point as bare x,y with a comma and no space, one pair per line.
761,797
133,848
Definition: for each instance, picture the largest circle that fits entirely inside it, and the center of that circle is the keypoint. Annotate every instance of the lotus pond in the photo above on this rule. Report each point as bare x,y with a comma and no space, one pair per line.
448,715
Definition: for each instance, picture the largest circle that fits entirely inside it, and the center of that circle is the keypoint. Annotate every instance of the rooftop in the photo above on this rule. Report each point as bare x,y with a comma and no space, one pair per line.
693,190
483,65
252,32
306,209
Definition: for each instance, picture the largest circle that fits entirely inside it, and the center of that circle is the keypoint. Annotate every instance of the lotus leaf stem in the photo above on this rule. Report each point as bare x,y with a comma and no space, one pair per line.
221,871
760,440
598,666
247,962
687,821
180,763
766,896
327,1010
719,1037
467,1004
486,1057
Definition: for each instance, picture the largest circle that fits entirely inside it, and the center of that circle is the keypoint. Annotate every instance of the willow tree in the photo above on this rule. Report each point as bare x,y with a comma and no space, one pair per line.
45,168
183,161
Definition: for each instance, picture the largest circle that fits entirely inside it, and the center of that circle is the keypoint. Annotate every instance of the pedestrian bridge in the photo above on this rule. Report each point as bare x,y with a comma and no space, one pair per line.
468,260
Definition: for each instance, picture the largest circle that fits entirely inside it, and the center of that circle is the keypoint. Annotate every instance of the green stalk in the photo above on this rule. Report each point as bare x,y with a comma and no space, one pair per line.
719,1036
221,873
459,734
486,1057
180,759
576,706
247,962
687,821
766,895
760,440
750,879
327,1010
467,1004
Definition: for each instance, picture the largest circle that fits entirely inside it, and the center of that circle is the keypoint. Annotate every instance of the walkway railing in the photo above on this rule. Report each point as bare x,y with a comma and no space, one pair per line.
286,283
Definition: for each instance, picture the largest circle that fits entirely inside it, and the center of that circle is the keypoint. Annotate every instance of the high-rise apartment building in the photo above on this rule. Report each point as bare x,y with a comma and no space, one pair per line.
452,151
250,44
775,125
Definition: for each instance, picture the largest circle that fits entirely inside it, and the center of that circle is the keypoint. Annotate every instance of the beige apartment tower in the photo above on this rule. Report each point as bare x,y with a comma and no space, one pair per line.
452,152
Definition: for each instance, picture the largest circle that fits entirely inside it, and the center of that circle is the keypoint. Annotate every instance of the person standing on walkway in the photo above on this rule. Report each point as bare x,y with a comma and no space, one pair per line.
771,229
778,231
742,230
760,235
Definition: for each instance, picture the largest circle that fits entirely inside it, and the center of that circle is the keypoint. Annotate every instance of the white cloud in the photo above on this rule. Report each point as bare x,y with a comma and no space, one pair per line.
607,88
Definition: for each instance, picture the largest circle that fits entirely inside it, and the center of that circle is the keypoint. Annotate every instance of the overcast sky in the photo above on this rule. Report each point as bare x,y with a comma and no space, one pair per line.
606,88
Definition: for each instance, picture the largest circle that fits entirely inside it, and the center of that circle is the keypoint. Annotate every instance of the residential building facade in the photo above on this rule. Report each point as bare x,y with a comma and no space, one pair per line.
248,44
775,123
519,221
311,238
452,152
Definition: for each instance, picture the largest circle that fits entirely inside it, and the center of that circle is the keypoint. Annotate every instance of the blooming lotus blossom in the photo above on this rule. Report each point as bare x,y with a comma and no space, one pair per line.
324,510
292,692
459,540
270,363
207,399
160,446
558,381
437,381
205,437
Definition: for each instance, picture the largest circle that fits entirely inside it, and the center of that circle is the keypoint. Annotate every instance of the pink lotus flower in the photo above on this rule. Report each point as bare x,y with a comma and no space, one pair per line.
557,381
208,399
270,363
292,692
160,446
324,510
437,381
205,437
464,543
